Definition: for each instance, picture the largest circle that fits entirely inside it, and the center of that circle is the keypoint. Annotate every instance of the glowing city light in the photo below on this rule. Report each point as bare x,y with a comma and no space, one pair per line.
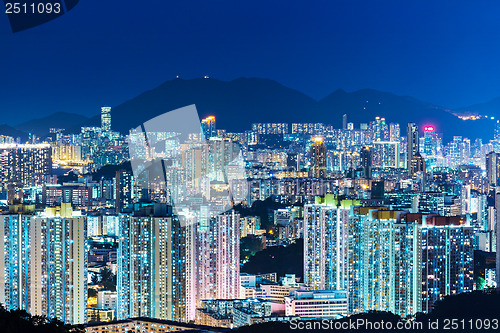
429,128
318,139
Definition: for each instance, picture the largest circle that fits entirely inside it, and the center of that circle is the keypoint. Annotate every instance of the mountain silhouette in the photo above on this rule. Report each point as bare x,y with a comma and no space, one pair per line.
41,126
235,104
12,132
364,105
491,109
238,103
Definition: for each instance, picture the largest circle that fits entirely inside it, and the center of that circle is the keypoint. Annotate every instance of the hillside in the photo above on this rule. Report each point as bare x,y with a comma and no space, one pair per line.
238,103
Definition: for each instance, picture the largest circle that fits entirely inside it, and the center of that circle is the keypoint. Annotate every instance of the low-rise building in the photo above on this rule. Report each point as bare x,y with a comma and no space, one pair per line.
147,325
317,304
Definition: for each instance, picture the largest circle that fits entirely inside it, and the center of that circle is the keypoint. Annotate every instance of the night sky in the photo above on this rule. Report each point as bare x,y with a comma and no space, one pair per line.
108,51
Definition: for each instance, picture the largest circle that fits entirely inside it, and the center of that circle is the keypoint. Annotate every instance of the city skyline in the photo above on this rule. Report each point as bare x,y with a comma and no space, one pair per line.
388,221
236,166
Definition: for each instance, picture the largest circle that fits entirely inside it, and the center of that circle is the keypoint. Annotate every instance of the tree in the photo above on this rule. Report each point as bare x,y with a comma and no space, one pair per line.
108,280
16,321
92,292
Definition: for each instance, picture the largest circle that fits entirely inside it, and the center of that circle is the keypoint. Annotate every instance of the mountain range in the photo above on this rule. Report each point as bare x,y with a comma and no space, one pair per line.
238,103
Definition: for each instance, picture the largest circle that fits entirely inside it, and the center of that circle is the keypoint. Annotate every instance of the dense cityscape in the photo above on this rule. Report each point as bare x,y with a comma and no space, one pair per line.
157,227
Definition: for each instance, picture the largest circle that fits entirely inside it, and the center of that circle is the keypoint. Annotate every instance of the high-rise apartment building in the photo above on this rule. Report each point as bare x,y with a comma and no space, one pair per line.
227,256
216,270
394,132
407,285
67,153
151,264
366,162
447,258
270,128
325,245
125,190
385,154
404,263
123,262
371,264
27,164
43,264
307,128
417,166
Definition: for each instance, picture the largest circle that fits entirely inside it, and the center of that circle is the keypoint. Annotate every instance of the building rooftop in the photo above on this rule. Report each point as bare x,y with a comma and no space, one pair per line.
188,326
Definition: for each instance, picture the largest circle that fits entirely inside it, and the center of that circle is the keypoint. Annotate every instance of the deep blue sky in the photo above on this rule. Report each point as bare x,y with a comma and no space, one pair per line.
107,51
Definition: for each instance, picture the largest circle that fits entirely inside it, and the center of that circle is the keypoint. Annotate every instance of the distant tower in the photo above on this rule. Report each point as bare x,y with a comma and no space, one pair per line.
417,164
344,121
430,144
292,161
106,118
394,132
366,162
208,127
497,132
124,190
412,144
318,158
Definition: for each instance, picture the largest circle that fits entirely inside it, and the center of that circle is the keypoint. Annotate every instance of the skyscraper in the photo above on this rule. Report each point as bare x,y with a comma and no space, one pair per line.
106,118
412,144
318,158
